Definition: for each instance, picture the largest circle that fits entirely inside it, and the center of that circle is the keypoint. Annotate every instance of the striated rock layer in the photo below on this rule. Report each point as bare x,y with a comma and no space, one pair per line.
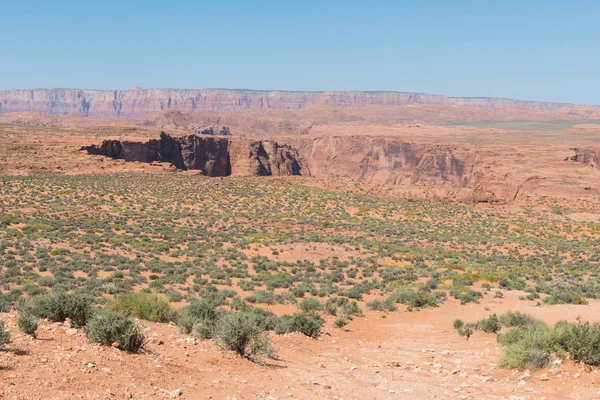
214,156
138,102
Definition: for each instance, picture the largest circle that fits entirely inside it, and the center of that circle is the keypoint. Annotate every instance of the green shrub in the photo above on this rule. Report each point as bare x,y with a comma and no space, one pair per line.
350,309
566,297
490,325
581,340
415,299
28,323
239,332
470,296
515,318
205,328
340,322
111,327
4,304
57,307
4,335
148,306
310,304
201,315
309,324
458,323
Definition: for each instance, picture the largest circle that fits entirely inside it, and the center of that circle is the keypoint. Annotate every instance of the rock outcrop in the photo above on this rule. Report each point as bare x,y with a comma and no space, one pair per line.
214,156
586,155
137,102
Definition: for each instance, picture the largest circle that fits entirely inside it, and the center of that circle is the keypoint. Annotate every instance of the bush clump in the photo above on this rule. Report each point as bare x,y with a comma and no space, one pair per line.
310,304
309,324
57,307
201,316
530,343
516,318
28,323
147,306
416,299
108,328
527,346
566,297
581,340
4,335
240,332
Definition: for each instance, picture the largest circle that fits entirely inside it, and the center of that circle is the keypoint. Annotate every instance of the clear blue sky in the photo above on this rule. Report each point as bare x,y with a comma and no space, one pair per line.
536,50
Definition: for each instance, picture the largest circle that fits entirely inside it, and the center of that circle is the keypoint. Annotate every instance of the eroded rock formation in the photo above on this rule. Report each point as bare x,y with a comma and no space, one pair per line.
214,156
586,155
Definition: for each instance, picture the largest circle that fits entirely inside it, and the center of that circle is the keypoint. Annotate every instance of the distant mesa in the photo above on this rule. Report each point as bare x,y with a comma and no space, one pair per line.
137,102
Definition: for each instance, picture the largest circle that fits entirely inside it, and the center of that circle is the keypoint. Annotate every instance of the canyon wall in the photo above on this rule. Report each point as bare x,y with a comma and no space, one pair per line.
385,160
137,102
362,158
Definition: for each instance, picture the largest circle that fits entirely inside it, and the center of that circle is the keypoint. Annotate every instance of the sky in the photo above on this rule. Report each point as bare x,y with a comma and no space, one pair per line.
528,49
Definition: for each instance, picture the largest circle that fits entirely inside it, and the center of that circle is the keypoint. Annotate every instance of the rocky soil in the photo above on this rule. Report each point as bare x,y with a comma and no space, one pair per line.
405,355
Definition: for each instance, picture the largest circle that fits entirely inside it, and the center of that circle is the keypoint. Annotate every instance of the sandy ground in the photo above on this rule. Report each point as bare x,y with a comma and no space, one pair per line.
406,355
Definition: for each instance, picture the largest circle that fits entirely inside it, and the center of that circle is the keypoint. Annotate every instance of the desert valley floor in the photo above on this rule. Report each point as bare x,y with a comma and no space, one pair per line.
356,236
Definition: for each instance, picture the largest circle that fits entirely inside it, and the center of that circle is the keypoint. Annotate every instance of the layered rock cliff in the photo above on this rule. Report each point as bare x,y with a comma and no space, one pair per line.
138,102
365,159
214,156
385,160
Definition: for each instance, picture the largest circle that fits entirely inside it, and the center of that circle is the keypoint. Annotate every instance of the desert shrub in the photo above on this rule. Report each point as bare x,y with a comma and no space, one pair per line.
376,305
340,322
470,296
310,304
465,330
490,325
57,307
28,323
415,299
331,308
108,327
148,306
350,309
515,318
527,346
200,315
458,323
262,297
4,335
240,333
4,304
265,319
205,328
309,324
581,340
566,297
